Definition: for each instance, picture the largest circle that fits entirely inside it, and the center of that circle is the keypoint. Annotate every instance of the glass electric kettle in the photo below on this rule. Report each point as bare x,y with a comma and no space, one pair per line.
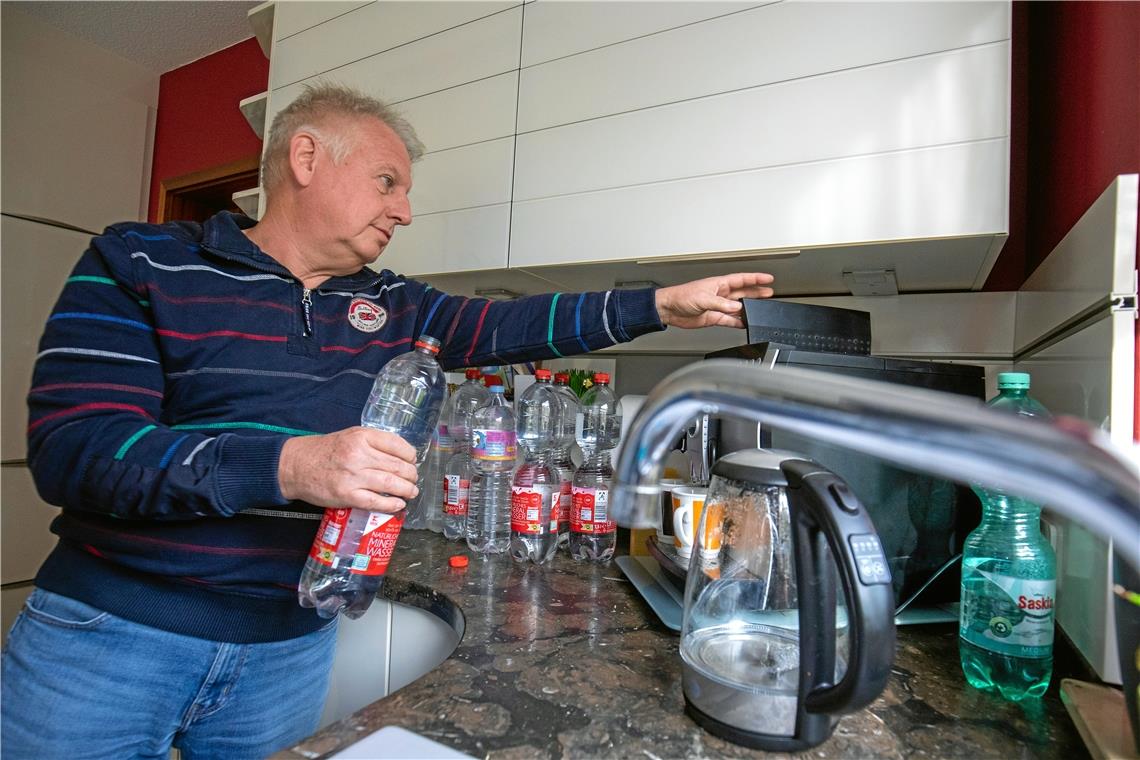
778,638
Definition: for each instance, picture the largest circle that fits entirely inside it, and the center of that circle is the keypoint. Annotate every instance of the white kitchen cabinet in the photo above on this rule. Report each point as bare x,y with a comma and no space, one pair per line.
402,49
860,135
452,70
24,514
556,29
470,113
451,242
37,259
295,16
932,100
773,43
935,192
810,127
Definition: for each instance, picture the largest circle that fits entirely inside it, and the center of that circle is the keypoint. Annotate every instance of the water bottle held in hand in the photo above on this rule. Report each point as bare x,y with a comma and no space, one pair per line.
352,547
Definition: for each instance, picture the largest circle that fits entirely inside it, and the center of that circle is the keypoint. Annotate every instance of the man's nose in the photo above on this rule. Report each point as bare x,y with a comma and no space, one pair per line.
401,210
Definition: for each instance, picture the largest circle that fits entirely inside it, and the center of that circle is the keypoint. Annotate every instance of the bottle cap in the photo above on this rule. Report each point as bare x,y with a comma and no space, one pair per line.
458,560
472,373
497,387
428,342
601,377
562,377
1013,380
542,374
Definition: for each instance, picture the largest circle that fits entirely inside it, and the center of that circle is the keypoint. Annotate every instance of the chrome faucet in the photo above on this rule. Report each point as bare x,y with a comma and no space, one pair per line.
1067,466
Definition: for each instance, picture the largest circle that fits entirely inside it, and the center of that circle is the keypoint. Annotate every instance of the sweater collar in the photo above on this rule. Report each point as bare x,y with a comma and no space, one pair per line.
223,234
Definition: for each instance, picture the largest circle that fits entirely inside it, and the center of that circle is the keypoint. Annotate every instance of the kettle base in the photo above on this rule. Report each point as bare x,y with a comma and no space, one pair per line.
817,731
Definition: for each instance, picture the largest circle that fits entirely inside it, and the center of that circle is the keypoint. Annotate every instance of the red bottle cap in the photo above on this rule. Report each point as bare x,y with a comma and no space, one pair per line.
458,560
472,373
542,374
601,377
562,377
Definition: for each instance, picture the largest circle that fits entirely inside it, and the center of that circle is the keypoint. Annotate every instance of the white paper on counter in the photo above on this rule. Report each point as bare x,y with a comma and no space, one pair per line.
395,743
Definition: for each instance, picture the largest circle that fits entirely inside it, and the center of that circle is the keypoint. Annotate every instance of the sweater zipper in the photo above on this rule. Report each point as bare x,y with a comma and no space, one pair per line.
307,312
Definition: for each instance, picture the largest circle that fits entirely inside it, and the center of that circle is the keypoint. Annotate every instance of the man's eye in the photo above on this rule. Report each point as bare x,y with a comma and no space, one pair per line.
386,182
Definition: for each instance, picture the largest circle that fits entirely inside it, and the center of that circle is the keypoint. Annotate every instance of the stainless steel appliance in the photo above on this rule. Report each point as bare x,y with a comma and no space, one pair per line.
762,664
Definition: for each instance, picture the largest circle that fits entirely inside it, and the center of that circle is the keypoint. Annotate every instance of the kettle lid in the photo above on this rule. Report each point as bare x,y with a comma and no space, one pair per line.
760,466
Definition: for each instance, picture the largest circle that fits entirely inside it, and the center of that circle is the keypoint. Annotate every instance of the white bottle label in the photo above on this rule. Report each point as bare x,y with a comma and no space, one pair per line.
1007,615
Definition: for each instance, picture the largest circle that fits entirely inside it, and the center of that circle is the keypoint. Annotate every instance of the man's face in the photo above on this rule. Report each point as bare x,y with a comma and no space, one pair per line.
361,201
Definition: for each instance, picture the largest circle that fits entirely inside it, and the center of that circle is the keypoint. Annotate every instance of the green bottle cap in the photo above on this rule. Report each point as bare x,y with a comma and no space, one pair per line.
1014,380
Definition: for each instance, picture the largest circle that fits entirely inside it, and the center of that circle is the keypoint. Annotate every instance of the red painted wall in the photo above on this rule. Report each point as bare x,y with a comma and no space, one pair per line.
199,125
1074,115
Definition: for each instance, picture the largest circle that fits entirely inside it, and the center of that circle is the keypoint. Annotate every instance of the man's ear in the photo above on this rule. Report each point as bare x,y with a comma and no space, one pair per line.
303,157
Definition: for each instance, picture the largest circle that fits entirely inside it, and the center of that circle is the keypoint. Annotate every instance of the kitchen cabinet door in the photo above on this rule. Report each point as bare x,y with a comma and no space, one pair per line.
808,127
36,260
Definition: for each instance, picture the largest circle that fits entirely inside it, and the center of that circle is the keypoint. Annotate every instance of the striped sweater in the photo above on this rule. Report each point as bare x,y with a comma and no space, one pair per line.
175,365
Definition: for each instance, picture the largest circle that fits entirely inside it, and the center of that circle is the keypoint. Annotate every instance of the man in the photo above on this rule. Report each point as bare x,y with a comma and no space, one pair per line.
194,408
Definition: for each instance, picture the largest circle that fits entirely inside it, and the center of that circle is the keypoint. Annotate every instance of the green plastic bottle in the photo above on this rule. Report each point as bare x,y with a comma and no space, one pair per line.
1009,581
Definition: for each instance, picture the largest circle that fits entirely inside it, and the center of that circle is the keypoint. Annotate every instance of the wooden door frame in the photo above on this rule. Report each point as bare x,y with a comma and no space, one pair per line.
244,172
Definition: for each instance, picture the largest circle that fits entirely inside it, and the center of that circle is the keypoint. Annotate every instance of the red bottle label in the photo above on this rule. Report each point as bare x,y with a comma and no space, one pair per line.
527,506
564,504
376,543
456,495
589,511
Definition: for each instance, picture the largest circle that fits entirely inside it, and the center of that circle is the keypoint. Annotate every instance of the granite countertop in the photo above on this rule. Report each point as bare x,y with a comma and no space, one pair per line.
568,660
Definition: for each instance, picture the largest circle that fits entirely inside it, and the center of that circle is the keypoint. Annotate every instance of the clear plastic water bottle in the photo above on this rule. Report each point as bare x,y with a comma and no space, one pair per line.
1009,580
442,448
536,490
493,452
457,472
563,444
352,547
593,535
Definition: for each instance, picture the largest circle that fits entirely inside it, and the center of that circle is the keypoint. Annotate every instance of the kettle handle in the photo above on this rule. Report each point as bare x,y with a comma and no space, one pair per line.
827,515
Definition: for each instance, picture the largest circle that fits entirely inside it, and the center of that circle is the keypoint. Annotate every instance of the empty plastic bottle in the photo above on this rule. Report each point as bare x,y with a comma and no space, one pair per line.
457,472
536,490
563,444
1009,580
593,535
352,547
493,451
442,447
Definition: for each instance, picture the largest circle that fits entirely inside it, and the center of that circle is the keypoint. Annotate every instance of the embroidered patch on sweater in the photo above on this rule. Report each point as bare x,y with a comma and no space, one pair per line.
366,316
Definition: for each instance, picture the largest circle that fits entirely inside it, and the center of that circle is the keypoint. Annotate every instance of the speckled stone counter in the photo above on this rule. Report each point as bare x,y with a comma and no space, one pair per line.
567,660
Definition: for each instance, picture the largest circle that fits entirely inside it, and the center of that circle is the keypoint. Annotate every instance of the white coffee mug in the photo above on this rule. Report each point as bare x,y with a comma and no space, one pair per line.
665,523
688,502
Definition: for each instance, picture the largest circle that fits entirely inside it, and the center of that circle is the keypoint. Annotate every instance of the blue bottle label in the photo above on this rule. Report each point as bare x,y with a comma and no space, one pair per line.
1007,615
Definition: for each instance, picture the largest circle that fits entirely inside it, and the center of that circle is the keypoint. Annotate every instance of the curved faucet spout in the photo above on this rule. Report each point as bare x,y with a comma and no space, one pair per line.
1067,466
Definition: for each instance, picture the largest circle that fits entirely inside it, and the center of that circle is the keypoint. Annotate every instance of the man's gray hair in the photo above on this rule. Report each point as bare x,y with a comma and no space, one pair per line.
311,112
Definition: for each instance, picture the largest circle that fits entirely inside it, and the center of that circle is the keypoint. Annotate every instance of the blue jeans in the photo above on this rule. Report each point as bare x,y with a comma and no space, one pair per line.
80,682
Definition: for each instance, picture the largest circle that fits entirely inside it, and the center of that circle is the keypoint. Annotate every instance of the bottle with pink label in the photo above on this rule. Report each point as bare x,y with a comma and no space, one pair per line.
493,451
536,491
593,534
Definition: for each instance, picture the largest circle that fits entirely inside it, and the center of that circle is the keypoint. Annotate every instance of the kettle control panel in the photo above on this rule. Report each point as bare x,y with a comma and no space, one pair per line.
869,559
